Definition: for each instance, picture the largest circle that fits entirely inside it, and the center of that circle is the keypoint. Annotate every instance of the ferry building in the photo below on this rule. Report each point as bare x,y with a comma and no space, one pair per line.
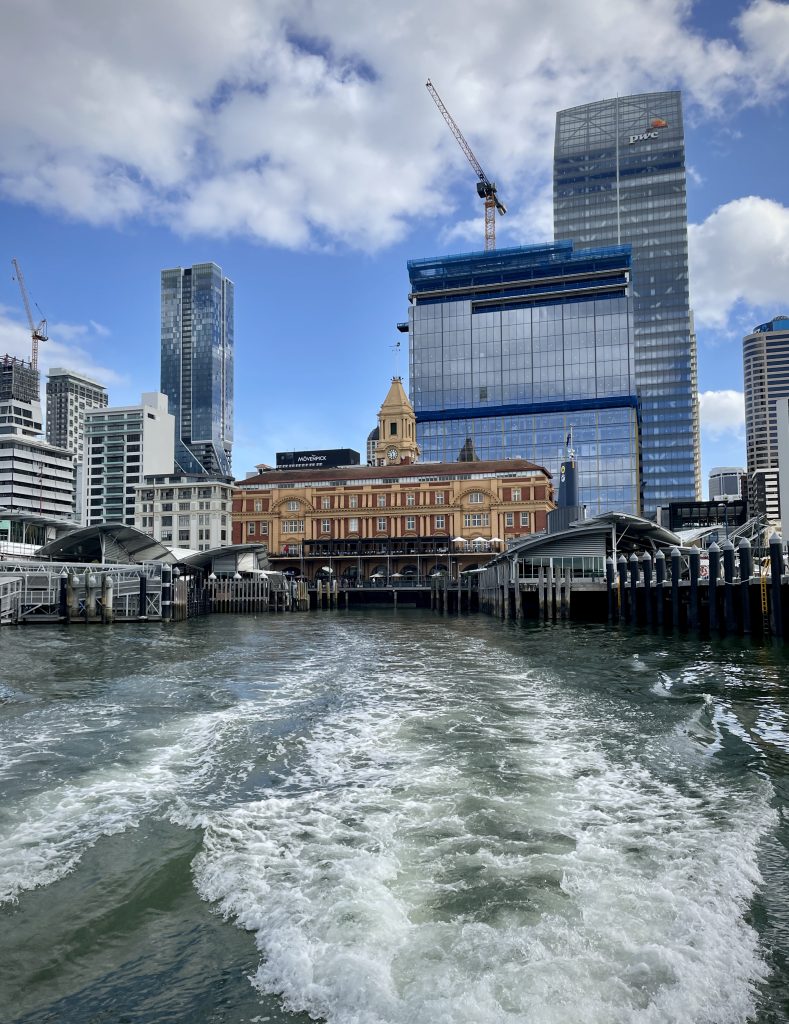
397,519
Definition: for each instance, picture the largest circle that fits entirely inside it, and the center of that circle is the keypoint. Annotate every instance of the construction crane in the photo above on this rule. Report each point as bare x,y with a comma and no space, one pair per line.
486,189
38,331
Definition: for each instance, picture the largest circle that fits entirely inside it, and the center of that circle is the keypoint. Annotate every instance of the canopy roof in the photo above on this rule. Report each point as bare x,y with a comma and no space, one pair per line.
107,543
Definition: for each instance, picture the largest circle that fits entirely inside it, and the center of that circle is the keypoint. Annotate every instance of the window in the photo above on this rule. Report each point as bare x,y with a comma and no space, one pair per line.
183,506
250,529
264,529
381,523
440,520
325,503
524,518
293,506
353,525
183,520
476,519
293,526
183,535
381,501
509,518
410,522
516,494
167,520
325,525
439,497
393,430
167,506
410,498
475,498
353,501
258,507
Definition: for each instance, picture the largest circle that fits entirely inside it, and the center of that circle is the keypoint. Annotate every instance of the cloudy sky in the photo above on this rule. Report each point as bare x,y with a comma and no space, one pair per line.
294,144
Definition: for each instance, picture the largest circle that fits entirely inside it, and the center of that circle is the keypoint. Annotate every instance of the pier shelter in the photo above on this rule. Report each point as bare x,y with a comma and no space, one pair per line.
107,543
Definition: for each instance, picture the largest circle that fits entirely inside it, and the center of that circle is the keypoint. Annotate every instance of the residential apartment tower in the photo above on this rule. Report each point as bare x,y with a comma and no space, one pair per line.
197,366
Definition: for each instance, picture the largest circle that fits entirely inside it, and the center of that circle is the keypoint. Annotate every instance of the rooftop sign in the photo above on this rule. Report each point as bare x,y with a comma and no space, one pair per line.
321,459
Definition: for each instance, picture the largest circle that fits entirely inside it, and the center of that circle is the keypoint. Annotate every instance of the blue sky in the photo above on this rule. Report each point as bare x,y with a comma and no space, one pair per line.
295,145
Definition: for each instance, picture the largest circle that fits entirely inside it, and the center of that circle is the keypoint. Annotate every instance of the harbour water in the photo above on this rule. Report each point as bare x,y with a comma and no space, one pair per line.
389,817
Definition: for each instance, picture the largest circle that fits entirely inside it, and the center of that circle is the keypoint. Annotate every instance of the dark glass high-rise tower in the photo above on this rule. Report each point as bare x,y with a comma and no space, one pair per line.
197,365
619,177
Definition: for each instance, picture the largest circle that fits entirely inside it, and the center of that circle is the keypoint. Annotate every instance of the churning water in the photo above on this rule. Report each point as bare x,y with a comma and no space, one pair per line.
391,818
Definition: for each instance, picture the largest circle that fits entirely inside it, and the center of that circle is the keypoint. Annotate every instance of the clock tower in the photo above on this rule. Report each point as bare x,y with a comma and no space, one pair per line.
396,428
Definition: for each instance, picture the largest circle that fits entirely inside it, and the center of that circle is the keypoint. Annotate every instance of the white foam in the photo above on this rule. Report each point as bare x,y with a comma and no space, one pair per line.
43,836
512,873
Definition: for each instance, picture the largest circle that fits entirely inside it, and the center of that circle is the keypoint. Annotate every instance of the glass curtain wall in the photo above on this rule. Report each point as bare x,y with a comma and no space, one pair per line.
498,372
197,365
619,177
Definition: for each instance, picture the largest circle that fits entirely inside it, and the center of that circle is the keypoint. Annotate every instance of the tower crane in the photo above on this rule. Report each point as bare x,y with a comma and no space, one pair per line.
38,331
486,189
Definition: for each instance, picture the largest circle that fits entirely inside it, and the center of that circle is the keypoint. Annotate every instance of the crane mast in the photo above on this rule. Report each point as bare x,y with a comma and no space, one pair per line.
486,189
38,332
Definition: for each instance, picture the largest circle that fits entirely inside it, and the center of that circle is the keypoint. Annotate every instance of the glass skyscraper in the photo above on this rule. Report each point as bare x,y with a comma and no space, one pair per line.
512,349
197,365
619,177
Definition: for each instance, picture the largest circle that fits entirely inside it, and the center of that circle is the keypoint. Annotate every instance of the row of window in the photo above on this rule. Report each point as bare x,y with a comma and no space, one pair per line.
470,519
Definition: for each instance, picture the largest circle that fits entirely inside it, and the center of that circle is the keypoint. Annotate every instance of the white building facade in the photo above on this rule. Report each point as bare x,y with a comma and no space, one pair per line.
192,512
122,446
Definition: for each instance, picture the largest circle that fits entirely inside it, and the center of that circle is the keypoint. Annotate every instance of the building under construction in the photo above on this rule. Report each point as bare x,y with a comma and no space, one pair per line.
18,380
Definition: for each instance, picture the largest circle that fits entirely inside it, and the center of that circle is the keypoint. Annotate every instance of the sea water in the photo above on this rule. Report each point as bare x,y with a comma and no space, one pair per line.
391,817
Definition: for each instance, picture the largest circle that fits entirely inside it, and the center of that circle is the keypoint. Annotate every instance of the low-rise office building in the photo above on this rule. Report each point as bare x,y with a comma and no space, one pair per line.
185,511
36,477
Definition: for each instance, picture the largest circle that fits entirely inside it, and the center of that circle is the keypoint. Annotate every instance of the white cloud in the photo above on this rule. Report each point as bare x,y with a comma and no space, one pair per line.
722,413
59,350
739,254
303,124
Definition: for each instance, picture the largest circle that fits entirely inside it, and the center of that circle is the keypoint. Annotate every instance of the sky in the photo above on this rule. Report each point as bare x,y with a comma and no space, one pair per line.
294,144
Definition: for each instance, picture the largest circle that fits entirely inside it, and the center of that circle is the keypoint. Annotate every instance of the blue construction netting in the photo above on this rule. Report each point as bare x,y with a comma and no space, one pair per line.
499,266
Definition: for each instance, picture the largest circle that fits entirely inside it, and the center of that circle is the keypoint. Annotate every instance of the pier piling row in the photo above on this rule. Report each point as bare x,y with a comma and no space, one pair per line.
730,595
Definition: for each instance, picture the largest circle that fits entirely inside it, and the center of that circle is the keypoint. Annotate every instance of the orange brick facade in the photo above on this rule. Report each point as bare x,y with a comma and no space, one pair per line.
375,522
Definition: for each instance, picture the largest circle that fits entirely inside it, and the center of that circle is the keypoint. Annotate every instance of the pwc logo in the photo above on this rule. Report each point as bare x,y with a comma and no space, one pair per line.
654,125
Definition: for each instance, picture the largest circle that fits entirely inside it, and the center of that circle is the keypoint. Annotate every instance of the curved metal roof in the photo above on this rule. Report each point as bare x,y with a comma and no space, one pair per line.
107,543
631,532
202,559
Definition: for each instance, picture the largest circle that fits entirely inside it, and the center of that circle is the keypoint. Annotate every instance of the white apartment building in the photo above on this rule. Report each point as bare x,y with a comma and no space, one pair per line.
69,395
186,511
122,446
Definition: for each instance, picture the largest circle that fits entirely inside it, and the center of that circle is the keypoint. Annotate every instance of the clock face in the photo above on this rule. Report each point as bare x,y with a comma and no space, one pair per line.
392,454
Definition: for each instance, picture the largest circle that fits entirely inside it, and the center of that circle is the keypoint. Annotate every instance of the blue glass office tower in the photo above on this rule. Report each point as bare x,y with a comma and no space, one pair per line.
619,177
511,349
197,365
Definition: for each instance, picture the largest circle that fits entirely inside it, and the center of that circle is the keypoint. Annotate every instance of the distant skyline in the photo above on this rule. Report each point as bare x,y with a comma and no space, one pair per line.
296,146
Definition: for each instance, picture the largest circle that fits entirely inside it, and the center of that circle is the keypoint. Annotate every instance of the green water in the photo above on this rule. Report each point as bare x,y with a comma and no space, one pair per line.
391,817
